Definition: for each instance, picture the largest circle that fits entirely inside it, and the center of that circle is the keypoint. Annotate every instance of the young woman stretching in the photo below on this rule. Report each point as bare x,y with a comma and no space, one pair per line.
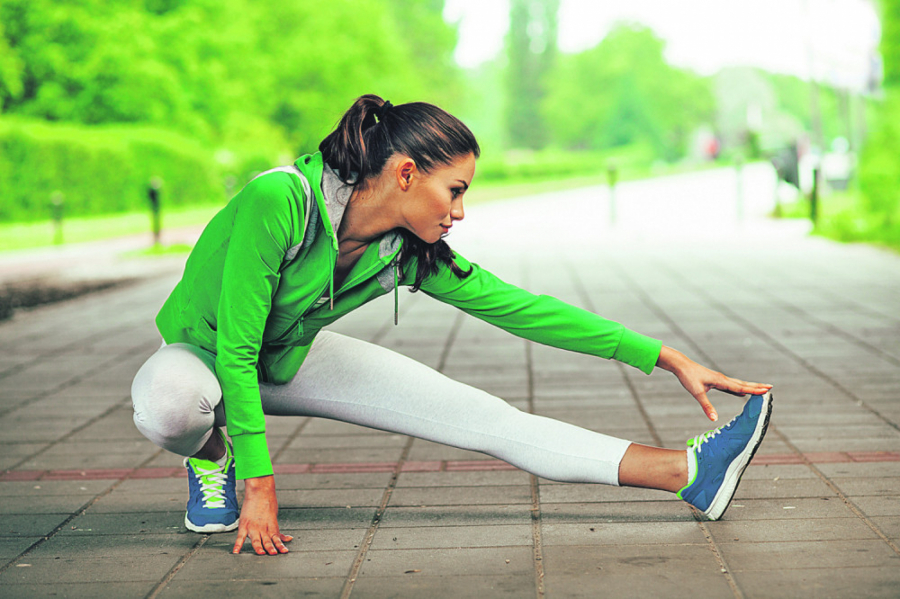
299,247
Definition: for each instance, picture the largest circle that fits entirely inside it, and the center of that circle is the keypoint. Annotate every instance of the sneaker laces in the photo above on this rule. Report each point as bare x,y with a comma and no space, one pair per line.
212,485
698,441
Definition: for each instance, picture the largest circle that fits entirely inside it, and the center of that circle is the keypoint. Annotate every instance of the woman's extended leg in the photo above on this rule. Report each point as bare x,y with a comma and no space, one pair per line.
354,381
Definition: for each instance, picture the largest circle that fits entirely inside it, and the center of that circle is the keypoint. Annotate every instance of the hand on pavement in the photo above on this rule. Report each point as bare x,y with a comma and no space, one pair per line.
259,518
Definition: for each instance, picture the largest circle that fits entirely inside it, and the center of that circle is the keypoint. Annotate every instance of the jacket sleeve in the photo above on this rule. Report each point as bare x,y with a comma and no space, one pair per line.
260,236
540,318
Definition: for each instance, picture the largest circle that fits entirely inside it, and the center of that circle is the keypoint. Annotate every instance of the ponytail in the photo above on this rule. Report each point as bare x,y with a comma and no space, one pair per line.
372,131
357,149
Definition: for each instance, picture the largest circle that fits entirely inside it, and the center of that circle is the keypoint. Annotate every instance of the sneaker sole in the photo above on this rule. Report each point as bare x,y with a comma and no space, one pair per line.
208,528
733,475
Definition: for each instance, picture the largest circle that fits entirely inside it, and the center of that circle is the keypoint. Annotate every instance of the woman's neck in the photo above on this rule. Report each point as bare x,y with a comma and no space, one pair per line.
367,217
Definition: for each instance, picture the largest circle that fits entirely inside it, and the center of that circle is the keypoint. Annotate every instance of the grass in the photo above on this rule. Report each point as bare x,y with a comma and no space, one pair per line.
843,217
21,236
160,250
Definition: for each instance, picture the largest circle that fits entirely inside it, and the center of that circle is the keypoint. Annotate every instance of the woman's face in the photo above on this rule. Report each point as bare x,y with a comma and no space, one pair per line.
433,201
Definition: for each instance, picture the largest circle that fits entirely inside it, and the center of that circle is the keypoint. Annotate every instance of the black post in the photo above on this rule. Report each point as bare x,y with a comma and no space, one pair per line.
153,193
777,211
612,175
814,198
739,178
56,212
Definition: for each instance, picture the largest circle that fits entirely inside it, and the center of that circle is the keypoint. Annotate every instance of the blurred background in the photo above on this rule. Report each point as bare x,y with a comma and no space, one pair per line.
113,110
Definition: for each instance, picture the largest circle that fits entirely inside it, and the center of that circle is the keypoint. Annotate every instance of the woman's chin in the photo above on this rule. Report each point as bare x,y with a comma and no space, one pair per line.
431,237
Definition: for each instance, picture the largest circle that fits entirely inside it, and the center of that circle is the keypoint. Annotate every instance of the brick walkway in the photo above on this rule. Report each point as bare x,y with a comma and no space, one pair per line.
91,509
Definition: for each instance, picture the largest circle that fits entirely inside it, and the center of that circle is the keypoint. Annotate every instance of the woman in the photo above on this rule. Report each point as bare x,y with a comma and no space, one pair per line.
301,246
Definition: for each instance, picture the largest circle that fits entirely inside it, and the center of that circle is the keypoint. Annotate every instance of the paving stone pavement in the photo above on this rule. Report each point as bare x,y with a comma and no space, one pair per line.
91,509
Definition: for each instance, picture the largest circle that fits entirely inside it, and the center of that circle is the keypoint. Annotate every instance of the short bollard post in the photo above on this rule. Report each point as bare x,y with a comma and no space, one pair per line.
56,213
814,198
153,193
739,177
777,211
612,175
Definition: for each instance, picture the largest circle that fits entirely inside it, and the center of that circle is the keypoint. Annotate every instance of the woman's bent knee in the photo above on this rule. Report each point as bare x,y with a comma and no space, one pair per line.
175,395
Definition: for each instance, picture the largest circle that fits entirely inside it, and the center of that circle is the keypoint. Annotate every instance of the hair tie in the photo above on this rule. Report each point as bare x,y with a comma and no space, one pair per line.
382,110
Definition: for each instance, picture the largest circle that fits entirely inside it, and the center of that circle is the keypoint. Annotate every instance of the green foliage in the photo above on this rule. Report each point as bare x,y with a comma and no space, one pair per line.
93,62
879,173
879,169
78,229
531,53
622,92
890,41
793,96
431,42
845,216
524,166
252,82
98,170
211,68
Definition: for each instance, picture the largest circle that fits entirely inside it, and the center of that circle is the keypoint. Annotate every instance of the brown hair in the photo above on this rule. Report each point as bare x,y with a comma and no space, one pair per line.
372,131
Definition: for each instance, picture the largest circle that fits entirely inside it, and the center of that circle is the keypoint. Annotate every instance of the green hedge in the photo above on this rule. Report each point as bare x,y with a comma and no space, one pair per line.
99,170
560,164
879,169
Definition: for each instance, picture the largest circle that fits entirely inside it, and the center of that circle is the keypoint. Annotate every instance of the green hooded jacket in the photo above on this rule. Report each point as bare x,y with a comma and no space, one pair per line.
259,285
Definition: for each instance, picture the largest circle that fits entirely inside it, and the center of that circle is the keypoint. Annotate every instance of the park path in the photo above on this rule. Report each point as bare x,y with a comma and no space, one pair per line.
90,508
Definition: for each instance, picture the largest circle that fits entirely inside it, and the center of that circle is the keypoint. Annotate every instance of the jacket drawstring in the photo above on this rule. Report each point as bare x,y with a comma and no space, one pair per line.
396,296
331,290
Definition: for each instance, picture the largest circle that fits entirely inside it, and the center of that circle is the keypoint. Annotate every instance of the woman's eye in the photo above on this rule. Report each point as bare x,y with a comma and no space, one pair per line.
456,192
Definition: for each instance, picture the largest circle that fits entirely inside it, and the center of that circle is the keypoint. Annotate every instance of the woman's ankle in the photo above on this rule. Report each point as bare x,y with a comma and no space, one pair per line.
214,448
654,468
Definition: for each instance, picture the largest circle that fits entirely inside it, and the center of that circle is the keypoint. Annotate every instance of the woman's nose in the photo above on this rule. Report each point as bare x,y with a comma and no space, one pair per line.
456,210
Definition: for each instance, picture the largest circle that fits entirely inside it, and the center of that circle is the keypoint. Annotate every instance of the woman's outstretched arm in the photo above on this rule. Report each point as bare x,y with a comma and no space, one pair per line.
553,322
541,318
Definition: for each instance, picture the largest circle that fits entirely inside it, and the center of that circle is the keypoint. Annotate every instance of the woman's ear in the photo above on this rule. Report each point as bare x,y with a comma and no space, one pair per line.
406,172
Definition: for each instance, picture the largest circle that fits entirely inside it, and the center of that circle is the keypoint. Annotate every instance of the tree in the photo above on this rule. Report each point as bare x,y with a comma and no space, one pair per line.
879,172
228,72
890,41
623,92
531,52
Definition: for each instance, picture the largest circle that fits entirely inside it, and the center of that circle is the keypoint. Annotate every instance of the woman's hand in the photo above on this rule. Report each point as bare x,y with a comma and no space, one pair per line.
698,379
259,518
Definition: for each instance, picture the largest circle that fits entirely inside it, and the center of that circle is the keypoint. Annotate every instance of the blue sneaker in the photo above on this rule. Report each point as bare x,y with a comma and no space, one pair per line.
721,455
212,503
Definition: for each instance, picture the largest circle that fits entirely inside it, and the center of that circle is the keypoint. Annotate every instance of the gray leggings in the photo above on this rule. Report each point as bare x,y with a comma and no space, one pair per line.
177,402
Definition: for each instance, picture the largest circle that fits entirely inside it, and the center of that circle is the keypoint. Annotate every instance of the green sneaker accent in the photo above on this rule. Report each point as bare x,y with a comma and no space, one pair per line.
212,476
691,454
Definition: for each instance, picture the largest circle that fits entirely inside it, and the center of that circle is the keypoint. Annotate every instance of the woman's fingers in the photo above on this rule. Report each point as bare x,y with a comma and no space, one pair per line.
239,543
256,541
708,408
263,543
269,545
697,380
740,388
279,541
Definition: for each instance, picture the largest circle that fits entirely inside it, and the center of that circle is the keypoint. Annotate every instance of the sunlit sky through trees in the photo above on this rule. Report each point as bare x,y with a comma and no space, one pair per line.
834,40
